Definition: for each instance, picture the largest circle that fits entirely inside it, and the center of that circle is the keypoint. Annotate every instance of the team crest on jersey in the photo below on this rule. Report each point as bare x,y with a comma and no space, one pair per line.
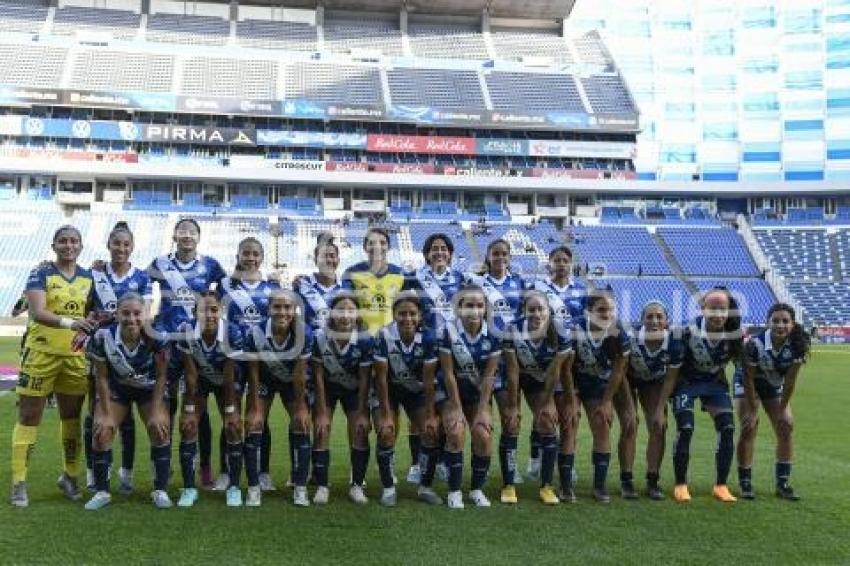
111,306
184,293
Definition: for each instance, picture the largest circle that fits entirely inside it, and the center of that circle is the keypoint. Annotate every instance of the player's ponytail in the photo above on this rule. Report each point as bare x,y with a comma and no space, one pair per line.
121,227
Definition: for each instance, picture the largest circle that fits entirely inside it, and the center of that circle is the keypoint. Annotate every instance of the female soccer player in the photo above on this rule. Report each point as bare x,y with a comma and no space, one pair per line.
536,352
342,365
375,282
601,348
503,291
117,278
772,362
656,353
181,275
130,367
469,358
278,349
58,294
245,302
711,341
567,300
436,283
405,357
316,290
209,349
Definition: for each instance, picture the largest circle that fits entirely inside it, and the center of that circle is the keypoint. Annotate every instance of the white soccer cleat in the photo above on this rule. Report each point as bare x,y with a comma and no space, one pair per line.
358,495
322,495
160,499
98,501
188,497
429,496
299,496
455,500
255,496
477,497
389,497
233,496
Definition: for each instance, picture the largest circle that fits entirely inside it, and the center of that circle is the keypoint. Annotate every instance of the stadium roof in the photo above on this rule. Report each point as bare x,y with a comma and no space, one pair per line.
534,9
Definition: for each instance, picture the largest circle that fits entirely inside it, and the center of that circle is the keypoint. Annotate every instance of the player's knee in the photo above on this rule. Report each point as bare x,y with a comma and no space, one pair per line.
386,437
724,422
511,428
454,441
545,424
784,428
685,421
481,441
628,425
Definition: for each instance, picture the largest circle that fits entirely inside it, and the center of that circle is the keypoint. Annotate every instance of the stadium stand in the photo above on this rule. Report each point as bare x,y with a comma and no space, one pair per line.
246,78
341,84
122,70
35,66
519,44
22,16
437,88
120,24
623,251
710,251
187,29
284,35
592,51
798,254
343,36
447,41
607,93
534,92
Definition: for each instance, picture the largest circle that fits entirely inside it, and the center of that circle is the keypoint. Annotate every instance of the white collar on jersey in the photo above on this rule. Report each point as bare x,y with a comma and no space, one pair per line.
219,337
596,343
184,266
112,275
570,283
499,281
472,339
120,342
315,282
768,342
394,334
441,276
642,341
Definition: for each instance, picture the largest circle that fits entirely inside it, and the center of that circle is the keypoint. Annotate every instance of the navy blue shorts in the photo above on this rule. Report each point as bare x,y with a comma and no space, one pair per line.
764,389
336,394
411,401
468,391
714,394
269,388
590,388
127,394
530,386
206,387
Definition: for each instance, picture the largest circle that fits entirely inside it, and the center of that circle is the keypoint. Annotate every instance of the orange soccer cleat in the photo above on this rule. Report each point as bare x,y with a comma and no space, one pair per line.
722,493
681,493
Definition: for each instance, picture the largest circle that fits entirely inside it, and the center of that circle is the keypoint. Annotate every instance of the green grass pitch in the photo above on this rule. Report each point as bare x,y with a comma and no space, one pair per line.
53,530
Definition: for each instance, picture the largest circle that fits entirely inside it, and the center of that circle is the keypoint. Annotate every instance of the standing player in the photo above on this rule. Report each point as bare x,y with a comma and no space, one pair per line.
117,278
469,359
537,351
405,357
375,282
656,353
130,367
601,348
436,283
711,341
342,365
209,349
567,300
503,291
58,294
772,362
245,302
181,275
278,349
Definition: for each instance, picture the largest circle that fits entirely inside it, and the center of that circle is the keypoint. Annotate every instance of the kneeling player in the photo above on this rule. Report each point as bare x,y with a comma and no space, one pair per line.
405,357
130,367
278,349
